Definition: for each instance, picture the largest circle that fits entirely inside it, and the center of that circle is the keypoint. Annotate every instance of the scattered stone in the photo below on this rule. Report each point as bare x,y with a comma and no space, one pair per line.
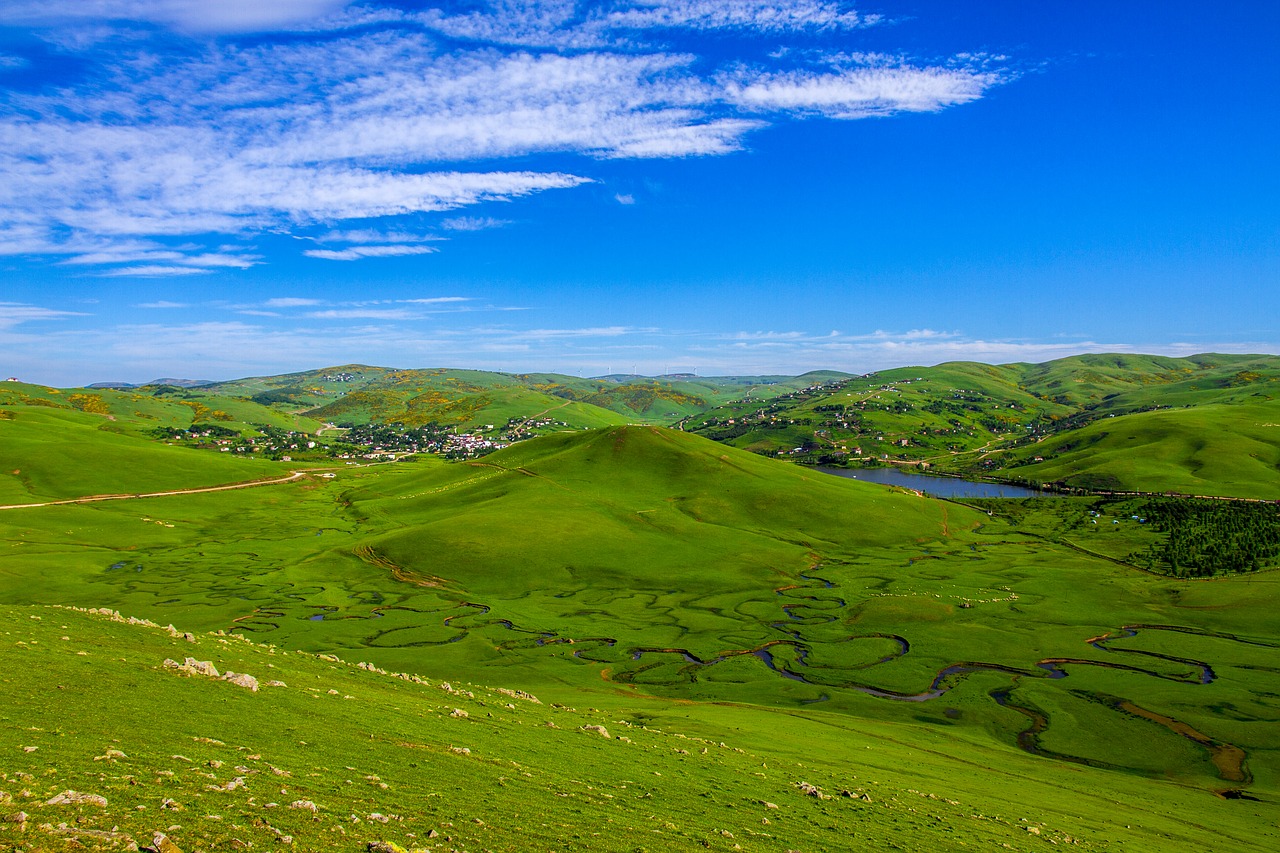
170,805
276,684
160,843
110,755
241,680
333,692
191,666
599,730
75,798
460,750
30,748
768,805
458,712
519,694
1034,830
202,667
811,791
304,805
18,817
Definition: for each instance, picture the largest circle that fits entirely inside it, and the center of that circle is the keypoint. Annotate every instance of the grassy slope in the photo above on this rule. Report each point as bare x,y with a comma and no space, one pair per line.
51,454
469,398
138,411
1223,448
1231,450
675,542
385,759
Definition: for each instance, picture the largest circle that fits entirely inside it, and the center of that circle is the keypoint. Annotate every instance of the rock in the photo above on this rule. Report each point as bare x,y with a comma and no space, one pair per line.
1034,830
276,684
160,843
769,805
241,680
75,798
110,755
304,805
201,667
459,713
170,805
598,730
811,791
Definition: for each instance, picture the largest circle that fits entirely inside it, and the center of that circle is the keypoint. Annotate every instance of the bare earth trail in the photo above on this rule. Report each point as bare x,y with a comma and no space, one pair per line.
296,475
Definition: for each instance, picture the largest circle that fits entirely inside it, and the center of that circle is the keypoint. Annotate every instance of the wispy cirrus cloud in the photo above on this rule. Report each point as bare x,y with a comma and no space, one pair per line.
473,223
201,16
290,302
355,253
371,118
13,313
152,271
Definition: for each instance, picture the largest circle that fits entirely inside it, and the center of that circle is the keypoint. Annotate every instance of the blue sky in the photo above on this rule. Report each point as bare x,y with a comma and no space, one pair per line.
214,190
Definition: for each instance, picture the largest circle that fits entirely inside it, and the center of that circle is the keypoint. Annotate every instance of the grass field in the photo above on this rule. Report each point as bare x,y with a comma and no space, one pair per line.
976,677
1201,425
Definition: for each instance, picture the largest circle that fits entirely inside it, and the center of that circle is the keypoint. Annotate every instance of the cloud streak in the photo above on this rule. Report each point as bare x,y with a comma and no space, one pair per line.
385,115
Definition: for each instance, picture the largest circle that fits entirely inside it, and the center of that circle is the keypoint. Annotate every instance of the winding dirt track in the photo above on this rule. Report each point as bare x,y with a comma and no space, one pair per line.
296,475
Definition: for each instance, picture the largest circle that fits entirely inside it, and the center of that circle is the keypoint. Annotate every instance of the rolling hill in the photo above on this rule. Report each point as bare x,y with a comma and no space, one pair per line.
984,420
962,678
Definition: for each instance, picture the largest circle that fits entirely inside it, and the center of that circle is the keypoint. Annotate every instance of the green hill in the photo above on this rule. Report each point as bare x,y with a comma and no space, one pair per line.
1218,449
993,420
53,454
356,393
977,673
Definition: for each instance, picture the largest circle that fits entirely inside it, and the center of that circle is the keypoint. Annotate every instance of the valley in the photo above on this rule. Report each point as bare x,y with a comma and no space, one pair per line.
1001,664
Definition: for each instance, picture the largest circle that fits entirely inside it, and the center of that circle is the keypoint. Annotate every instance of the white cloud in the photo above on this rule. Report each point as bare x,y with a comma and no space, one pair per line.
770,16
357,252
13,313
370,235
290,302
369,118
624,198
151,271
862,92
216,16
163,303
473,223
364,314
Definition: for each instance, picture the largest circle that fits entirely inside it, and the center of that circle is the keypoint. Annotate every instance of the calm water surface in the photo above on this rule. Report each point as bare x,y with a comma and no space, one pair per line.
940,487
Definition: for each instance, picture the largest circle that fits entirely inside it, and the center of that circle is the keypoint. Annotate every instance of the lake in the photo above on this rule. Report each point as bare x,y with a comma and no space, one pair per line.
939,487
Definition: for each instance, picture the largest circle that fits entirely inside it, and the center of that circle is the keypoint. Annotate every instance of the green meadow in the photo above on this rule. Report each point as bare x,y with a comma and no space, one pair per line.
1206,424
975,671
58,454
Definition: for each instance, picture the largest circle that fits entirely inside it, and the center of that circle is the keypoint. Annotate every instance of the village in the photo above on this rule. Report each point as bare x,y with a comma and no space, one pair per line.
361,442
